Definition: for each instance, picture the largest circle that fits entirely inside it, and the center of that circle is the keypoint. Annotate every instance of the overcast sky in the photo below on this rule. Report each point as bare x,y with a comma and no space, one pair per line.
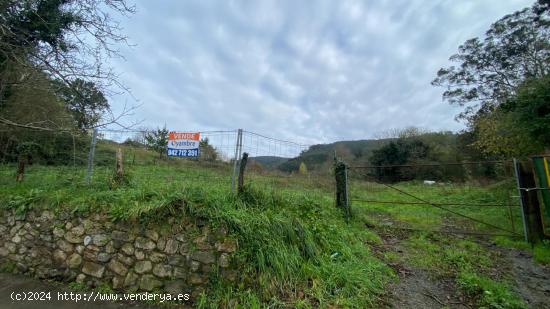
307,71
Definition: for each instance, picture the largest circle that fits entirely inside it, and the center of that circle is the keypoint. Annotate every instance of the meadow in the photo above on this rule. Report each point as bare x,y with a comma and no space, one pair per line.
295,248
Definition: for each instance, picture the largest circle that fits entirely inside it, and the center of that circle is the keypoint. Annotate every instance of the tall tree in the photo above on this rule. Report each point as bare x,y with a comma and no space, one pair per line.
66,39
521,125
489,70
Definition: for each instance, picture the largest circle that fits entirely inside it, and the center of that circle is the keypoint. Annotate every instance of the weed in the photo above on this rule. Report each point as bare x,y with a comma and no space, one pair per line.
24,202
104,288
489,293
77,286
8,266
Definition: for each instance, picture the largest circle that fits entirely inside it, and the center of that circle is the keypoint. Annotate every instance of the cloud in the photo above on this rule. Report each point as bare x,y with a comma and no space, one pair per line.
311,71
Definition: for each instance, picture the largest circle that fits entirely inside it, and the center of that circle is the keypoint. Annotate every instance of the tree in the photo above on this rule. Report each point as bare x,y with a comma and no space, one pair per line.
532,105
498,133
489,71
85,102
207,151
521,125
402,133
65,39
157,140
403,151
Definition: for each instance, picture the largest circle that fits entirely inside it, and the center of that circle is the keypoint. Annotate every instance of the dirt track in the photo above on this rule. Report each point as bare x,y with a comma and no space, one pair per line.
416,288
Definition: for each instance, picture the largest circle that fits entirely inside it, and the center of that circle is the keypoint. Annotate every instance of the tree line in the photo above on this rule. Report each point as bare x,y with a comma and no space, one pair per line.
503,83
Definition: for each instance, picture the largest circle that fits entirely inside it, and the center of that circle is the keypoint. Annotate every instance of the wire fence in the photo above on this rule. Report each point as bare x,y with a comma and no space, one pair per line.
459,197
82,160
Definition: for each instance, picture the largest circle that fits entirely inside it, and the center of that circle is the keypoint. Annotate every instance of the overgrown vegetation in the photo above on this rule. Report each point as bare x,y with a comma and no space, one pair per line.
294,247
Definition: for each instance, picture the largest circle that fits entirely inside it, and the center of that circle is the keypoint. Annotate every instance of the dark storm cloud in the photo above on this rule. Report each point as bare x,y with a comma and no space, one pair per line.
313,71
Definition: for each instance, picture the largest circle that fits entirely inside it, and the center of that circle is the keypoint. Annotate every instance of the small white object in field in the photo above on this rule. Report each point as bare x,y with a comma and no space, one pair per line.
429,182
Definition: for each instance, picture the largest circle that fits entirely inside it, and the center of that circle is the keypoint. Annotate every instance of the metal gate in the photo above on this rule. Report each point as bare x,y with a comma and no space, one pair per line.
464,198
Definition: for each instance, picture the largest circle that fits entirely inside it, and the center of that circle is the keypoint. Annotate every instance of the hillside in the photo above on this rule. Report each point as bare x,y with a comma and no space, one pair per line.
443,146
269,162
318,157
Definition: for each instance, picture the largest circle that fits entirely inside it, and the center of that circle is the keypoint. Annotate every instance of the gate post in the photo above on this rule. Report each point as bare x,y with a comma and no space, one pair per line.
530,208
238,149
541,169
342,190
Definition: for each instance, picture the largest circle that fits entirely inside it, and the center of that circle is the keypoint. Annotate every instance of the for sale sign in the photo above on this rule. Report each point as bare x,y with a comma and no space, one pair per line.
183,144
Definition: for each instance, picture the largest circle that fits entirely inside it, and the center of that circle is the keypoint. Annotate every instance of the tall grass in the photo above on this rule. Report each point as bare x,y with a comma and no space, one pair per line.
294,248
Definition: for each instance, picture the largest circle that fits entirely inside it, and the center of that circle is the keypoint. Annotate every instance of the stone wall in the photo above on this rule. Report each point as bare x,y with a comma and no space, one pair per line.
177,256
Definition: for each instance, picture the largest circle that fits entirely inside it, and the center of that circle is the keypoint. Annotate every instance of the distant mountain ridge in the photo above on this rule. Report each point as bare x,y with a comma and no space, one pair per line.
447,146
321,155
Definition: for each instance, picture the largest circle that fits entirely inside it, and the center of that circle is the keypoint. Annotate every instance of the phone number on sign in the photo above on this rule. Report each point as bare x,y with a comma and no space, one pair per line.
183,152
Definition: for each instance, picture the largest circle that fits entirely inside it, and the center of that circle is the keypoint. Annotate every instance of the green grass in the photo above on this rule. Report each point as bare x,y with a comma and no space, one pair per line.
445,256
506,217
541,252
295,250
489,293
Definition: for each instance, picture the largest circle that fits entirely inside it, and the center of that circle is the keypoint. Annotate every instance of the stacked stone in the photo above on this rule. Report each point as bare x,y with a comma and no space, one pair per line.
92,250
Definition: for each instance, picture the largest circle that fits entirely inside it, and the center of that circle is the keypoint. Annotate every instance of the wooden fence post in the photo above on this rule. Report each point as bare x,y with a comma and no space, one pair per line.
242,167
341,177
119,168
529,202
20,168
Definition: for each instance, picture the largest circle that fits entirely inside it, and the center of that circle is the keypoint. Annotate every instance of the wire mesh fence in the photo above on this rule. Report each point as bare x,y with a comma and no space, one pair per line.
78,159
468,197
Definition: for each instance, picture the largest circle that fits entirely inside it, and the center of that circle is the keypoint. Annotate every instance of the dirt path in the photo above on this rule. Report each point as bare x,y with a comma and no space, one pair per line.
417,288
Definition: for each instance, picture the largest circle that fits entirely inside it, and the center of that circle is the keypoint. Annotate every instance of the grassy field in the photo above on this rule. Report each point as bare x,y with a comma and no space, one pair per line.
496,205
295,247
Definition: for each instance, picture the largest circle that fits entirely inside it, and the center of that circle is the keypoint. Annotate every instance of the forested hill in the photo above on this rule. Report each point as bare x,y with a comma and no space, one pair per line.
321,156
423,147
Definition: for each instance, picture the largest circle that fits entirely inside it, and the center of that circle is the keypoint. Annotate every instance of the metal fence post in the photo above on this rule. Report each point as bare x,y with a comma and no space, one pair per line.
238,149
91,157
